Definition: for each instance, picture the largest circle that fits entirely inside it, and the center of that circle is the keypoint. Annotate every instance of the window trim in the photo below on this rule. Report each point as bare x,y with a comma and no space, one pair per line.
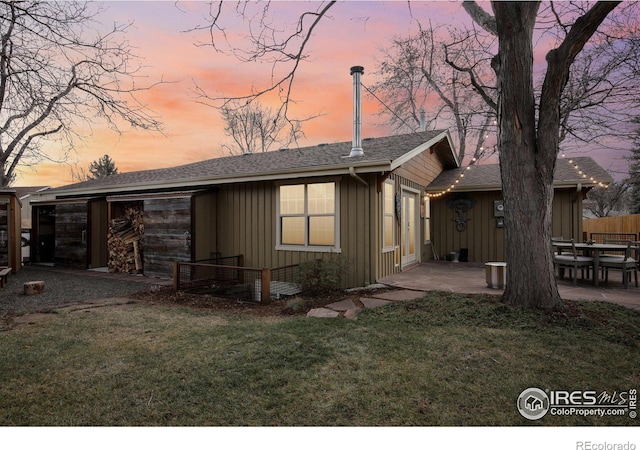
335,248
427,219
392,214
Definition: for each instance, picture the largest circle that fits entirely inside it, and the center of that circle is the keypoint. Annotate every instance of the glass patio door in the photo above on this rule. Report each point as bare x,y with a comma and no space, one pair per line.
409,228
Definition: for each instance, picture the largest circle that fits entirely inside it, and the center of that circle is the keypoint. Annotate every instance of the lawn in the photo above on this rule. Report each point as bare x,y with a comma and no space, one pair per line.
443,360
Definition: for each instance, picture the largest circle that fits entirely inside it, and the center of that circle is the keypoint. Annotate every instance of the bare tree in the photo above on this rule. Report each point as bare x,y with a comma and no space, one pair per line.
529,138
601,96
56,75
602,93
255,128
634,171
265,42
608,201
413,69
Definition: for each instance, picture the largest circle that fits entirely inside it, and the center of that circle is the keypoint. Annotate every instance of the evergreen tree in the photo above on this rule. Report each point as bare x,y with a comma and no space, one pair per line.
102,167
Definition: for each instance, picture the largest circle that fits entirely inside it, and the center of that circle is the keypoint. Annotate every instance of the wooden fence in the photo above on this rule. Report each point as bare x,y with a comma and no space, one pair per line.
236,281
618,224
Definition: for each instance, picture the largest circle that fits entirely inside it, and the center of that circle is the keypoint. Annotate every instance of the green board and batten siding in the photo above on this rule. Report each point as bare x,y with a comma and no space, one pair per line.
482,237
205,227
246,224
415,174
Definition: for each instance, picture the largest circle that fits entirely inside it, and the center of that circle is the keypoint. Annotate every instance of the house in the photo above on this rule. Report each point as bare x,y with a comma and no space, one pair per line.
295,205
469,219
24,194
274,208
10,230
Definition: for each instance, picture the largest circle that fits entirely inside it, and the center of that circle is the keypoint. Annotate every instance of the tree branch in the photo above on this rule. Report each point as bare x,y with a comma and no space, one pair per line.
481,17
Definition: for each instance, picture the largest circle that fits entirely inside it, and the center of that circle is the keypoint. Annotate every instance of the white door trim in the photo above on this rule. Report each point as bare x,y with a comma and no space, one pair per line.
410,225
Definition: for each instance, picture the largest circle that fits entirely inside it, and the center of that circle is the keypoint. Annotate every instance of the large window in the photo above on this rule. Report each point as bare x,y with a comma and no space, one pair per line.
307,217
388,216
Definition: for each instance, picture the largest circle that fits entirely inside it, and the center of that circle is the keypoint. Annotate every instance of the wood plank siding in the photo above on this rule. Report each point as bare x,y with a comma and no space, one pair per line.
482,237
71,228
167,234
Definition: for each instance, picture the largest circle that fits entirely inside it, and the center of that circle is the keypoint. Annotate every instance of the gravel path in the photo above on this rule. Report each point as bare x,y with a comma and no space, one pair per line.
66,287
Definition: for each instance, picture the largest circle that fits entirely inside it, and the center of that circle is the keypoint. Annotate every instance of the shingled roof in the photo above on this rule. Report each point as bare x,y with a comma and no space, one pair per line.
385,153
487,177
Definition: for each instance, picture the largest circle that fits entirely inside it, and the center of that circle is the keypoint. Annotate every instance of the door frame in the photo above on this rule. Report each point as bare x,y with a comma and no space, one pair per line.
409,220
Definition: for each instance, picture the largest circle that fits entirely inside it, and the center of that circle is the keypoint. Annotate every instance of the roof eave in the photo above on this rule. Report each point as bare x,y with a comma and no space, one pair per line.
424,146
497,187
470,188
343,169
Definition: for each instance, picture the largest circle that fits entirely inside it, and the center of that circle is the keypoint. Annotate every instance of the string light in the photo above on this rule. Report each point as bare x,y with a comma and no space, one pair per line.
461,175
457,180
584,175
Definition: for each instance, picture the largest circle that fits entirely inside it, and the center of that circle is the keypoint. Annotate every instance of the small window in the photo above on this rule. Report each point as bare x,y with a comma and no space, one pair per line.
427,219
307,217
388,216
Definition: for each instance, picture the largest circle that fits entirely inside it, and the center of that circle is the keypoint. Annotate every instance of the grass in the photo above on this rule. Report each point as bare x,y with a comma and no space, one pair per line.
443,360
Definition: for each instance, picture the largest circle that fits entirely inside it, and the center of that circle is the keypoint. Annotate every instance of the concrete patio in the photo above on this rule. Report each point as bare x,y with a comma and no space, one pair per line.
470,278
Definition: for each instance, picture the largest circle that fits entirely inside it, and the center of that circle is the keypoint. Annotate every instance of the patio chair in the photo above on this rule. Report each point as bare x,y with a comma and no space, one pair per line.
626,263
572,261
558,240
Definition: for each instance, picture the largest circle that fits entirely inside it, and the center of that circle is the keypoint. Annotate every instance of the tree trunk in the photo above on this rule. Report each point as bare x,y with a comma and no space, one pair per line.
527,179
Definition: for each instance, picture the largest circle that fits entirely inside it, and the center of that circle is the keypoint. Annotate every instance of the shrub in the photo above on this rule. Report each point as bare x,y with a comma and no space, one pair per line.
296,304
323,275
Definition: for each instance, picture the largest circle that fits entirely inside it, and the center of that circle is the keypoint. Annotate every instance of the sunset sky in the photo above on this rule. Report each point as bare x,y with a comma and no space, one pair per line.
192,131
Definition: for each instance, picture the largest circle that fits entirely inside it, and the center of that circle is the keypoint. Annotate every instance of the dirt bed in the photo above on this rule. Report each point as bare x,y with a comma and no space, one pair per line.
62,288
69,287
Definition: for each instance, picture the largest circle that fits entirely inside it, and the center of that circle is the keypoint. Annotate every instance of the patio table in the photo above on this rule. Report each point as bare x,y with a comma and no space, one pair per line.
594,250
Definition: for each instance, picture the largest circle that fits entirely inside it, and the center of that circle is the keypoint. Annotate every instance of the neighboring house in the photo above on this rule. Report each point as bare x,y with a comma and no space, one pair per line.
470,217
275,208
24,194
10,230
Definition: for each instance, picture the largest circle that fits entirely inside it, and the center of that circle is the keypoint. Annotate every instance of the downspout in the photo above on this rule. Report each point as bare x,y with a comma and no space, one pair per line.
352,172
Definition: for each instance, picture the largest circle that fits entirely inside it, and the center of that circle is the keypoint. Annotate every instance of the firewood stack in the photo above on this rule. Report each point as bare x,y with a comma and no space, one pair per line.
124,242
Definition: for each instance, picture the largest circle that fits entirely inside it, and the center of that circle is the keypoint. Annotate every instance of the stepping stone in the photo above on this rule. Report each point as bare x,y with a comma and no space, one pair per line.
342,305
373,302
352,313
401,295
323,313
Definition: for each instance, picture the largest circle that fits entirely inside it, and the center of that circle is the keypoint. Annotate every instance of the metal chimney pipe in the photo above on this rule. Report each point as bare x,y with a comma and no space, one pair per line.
423,121
356,150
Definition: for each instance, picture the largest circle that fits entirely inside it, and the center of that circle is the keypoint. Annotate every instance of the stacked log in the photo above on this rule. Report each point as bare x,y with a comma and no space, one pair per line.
123,242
